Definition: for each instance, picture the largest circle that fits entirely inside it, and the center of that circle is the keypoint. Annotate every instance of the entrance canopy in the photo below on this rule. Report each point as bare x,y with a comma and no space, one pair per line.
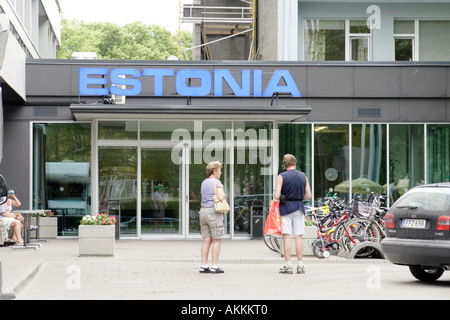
236,112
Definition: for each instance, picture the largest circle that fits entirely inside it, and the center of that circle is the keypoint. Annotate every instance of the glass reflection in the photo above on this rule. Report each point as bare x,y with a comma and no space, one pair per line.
117,185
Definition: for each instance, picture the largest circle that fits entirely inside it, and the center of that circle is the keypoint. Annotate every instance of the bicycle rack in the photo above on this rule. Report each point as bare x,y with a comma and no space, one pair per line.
378,253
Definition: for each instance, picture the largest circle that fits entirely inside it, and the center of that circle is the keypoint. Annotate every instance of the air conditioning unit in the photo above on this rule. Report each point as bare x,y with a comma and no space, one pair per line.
120,99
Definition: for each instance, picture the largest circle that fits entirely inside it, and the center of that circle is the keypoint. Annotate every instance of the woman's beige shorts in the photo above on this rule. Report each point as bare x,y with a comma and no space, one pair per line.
211,223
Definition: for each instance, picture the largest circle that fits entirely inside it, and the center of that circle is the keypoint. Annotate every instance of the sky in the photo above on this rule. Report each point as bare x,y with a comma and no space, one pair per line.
160,12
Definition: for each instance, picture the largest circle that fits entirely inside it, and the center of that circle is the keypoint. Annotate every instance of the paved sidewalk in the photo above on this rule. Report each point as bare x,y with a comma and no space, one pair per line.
168,270
19,267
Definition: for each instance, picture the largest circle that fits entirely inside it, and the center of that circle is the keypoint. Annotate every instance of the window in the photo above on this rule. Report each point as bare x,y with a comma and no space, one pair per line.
406,160
324,40
434,43
438,153
62,172
296,139
331,159
404,49
368,159
405,39
359,40
434,40
118,130
336,40
253,183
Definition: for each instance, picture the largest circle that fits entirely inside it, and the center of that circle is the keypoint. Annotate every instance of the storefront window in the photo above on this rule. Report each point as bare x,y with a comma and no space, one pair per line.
438,153
118,130
331,160
62,173
296,139
252,172
406,158
163,130
368,159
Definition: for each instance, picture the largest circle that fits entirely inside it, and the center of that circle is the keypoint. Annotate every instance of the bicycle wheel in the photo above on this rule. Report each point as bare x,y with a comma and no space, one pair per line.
339,234
360,230
268,243
319,251
275,240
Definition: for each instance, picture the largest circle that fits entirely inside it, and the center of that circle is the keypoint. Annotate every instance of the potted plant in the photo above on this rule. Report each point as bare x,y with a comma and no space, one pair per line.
96,235
48,225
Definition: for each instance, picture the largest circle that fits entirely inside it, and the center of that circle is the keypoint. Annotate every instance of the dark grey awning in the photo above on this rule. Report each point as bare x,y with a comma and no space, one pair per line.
121,112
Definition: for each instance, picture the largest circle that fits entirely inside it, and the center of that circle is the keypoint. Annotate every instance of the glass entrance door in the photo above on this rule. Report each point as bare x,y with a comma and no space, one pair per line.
151,194
161,193
117,186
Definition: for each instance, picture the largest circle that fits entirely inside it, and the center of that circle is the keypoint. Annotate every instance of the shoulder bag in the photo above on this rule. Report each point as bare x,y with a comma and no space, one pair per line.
219,206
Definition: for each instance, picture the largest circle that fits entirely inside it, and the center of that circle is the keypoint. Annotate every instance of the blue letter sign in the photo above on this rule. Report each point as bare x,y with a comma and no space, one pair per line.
128,82
117,80
86,81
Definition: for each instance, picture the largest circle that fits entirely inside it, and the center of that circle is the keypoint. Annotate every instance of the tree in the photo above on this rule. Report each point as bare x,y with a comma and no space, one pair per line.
135,41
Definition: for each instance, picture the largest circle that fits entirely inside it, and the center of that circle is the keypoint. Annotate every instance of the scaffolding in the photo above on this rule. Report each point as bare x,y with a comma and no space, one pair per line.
226,22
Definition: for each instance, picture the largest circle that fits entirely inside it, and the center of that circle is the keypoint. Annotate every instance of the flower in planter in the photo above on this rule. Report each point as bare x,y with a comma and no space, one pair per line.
45,214
101,219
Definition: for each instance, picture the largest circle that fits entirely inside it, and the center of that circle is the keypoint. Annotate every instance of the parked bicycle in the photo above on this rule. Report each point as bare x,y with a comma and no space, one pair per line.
352,223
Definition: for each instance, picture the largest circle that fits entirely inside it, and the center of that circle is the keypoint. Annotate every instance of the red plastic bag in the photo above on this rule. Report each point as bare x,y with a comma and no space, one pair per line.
273,221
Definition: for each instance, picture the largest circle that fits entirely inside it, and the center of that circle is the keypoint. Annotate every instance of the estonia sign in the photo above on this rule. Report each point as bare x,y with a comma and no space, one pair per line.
129,82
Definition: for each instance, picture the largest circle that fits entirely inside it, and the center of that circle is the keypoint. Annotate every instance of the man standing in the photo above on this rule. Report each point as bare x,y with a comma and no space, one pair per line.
291,189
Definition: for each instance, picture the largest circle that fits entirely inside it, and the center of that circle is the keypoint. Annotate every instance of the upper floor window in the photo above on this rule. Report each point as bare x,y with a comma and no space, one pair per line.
336,40
405,39
422,40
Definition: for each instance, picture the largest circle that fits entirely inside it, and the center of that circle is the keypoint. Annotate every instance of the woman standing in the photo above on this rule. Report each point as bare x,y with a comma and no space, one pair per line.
211,222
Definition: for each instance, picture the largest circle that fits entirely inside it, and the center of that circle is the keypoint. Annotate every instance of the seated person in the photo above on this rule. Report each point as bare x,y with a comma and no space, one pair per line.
3,233
8,223
11,222
13,201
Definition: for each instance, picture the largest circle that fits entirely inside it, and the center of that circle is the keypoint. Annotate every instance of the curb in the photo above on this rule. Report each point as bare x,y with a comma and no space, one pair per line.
11,291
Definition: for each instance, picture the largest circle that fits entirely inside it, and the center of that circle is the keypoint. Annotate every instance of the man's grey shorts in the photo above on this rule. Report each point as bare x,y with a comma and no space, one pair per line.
211,223
293,224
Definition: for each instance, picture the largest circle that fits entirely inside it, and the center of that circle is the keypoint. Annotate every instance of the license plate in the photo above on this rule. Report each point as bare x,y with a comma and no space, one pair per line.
414,223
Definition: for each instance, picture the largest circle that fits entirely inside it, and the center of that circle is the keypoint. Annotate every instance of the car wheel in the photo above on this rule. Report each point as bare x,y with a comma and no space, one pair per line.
426,274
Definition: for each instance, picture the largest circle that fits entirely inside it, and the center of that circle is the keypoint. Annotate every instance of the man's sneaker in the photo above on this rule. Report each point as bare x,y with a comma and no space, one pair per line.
300,270
204,270
287,270
216,270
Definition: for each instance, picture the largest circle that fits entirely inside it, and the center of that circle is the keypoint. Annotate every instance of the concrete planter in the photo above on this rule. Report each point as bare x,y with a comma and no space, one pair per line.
310,234
96,240
48,227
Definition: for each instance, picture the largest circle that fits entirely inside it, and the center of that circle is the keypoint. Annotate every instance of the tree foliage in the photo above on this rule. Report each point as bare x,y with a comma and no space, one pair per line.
134,41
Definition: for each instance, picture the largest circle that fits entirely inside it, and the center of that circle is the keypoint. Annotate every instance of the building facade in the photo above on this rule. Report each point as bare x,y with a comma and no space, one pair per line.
29,29
331,30
364,107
